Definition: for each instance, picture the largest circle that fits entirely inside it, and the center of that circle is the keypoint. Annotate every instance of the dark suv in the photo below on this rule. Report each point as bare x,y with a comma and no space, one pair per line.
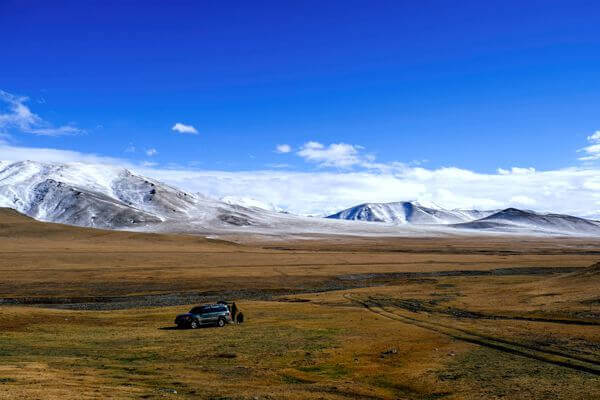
210,314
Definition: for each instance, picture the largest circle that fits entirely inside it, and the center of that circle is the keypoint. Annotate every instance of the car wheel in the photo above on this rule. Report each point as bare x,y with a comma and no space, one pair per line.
194,324
221,323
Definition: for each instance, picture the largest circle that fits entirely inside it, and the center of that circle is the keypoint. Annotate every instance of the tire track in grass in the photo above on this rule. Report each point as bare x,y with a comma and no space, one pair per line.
492,338
535,353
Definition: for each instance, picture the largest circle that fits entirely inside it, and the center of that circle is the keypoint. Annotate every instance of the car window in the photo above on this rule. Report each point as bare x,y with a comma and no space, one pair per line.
200,310
209,309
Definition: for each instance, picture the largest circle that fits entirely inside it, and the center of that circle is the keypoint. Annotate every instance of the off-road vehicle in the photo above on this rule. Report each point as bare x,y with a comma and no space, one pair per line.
210,314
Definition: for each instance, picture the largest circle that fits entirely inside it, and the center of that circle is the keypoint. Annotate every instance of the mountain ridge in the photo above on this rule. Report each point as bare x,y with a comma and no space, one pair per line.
111,197
405,212
515,219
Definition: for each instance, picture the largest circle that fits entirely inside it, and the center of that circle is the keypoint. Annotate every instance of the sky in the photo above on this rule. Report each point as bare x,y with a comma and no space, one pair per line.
315,106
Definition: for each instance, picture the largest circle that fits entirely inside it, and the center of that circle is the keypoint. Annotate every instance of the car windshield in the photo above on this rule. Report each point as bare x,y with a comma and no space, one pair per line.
200,310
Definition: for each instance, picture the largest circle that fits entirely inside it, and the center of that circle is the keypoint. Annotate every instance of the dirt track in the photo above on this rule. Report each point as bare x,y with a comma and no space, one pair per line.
552,357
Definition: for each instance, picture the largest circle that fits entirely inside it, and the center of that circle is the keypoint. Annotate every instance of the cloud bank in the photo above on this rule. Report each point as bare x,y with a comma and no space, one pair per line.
571,190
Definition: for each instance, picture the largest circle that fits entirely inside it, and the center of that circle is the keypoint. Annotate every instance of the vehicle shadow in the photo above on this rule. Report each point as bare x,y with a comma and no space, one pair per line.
175,328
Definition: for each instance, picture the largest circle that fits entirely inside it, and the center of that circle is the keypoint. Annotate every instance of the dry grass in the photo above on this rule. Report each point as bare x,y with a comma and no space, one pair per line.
415,343
39,259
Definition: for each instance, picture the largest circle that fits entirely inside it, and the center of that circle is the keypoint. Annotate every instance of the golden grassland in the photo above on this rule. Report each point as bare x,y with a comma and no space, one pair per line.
40,259
468,336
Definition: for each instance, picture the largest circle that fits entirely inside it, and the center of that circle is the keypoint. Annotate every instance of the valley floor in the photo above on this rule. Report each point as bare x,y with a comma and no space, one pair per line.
89,314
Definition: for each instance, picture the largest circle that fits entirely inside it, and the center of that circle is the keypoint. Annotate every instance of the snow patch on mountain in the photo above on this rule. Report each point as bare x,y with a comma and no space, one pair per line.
515,220
408,212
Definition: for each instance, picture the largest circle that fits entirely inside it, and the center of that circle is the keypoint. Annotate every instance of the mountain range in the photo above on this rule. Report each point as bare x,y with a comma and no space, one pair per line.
116,198
506,220
408,212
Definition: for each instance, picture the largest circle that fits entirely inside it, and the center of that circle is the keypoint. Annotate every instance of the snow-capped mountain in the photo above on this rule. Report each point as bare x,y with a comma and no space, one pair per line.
510,220
115,198
408,212
102,197
515,220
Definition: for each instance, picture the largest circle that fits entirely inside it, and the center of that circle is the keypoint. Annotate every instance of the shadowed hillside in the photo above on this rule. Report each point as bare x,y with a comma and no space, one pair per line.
27,233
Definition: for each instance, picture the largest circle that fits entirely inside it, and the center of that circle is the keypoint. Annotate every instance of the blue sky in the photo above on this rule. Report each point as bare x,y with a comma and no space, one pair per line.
349,86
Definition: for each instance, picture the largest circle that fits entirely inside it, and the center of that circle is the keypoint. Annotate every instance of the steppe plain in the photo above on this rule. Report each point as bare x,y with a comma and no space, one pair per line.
88,314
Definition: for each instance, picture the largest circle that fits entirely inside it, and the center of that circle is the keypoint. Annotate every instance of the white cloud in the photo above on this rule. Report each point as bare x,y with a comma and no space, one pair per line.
151,152
130,149
19,117
182,128
283,148
594,137
593,150
341,155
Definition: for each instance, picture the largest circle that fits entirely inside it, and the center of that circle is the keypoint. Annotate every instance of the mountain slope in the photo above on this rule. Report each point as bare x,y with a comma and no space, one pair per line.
98,196
515,220
407,213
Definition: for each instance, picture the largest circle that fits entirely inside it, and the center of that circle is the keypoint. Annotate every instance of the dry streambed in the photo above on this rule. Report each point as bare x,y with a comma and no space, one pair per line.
296,285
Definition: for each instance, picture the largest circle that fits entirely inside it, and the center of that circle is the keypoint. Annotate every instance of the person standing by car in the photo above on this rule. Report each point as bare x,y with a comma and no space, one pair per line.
239,318
236,315
234,310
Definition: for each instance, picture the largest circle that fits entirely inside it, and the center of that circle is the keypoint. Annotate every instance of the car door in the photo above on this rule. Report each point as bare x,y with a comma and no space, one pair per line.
211,316
204,315
221,312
